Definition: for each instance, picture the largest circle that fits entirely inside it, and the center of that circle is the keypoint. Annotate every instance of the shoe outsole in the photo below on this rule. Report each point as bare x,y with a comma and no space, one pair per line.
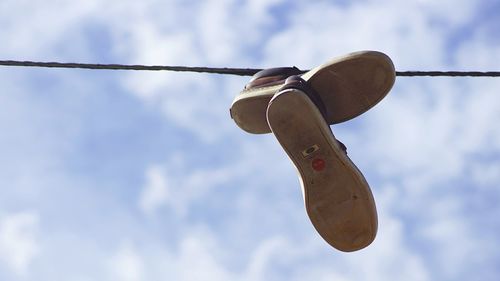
337,197
348,86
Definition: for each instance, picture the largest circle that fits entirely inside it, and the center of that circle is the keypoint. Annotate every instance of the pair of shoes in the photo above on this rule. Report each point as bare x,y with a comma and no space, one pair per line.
348,86
297,108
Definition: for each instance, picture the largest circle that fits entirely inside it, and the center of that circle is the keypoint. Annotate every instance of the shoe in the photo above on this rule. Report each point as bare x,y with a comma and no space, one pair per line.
348,86
337,197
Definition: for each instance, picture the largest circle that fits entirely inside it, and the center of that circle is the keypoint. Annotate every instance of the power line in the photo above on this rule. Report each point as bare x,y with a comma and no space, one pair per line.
223,70
449,73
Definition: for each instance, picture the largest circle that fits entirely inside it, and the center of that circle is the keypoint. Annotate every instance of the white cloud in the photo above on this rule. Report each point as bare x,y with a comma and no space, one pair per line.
155,192
18,241
453,236
126,264
486,174
262,258
319,31
197,261
178,184
30,30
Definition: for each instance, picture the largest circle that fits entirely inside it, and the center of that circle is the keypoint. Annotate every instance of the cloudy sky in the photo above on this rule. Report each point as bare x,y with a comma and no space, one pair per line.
128,176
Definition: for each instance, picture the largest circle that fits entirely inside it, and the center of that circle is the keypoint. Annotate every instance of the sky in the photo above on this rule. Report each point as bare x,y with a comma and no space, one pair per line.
142,176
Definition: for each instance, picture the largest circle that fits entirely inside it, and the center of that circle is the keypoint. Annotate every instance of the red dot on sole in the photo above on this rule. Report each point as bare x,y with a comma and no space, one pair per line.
318,164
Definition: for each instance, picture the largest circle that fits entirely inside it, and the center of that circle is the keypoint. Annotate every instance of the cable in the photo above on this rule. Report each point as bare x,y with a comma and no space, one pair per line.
449,73
224,70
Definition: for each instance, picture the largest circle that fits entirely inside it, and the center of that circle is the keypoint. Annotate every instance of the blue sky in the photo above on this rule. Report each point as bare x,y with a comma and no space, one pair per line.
133,176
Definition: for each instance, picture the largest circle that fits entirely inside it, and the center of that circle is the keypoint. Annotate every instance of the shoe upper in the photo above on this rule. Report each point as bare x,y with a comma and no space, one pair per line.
272,76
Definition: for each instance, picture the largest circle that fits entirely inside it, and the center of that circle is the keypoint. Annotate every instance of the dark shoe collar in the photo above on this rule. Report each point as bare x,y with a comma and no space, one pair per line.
295,82
272,76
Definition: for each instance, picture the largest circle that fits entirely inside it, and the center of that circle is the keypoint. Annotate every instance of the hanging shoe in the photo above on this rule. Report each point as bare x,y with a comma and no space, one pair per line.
348,86
337,197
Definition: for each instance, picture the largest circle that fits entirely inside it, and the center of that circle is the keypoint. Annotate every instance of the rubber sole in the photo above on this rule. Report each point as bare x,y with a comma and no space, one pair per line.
337,197
348,86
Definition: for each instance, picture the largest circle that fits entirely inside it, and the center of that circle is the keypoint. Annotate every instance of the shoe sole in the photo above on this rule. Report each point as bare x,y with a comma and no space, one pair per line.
348,86
337,197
